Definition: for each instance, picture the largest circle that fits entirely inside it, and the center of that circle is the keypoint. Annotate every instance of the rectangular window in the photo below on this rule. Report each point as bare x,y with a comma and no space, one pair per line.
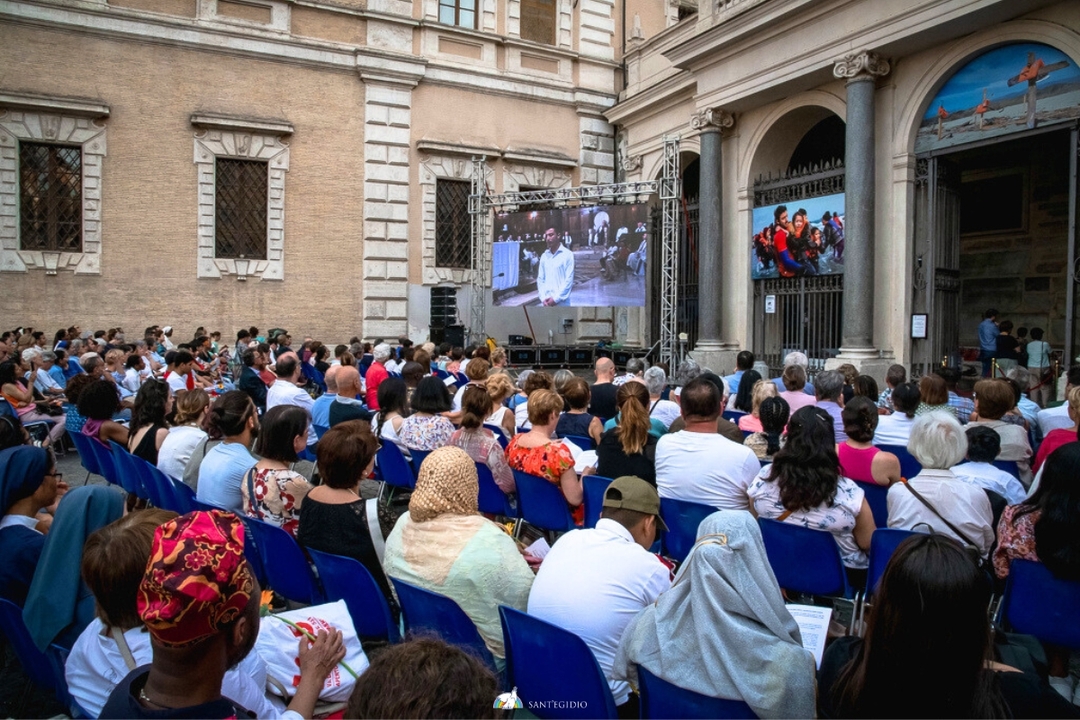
241,208
458,12
50,197
453,231
538,21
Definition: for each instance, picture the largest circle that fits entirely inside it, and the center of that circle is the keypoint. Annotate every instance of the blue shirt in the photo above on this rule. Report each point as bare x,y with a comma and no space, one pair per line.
220,475
733,381
779,383
73,368
320,411
57,373
656,427
988,333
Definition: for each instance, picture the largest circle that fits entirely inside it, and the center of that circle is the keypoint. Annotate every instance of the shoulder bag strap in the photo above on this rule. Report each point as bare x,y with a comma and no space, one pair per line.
374,528
249,478
125,651
783,516
933,509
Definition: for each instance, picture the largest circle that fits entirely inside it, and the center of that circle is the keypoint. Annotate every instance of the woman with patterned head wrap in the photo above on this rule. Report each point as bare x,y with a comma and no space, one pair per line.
443,544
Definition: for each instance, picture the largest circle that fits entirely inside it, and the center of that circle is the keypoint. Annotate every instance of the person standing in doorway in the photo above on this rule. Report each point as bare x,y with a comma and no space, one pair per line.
988,338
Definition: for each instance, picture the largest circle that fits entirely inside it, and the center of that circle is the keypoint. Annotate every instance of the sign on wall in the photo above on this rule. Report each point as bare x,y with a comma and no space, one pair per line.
1010,88
799,238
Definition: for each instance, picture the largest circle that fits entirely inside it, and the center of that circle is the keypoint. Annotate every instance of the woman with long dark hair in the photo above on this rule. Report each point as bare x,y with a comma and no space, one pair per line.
149,427
803,485
744,399
393,407
928,650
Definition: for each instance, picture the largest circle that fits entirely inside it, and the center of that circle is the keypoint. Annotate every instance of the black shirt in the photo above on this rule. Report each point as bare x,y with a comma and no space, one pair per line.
602,403
1008,347
124,702
343,411
253,385
612,461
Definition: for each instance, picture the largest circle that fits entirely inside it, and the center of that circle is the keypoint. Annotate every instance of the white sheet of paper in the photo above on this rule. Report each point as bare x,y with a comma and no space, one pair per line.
813,626
583,459
539,548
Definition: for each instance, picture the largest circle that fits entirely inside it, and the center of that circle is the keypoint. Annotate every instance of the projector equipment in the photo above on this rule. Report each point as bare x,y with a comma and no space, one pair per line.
520,340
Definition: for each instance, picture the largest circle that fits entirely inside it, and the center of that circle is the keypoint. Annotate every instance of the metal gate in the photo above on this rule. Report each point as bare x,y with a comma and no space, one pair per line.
800,313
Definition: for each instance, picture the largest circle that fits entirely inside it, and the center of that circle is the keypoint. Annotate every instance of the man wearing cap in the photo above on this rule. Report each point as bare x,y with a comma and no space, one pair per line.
200,603
593,582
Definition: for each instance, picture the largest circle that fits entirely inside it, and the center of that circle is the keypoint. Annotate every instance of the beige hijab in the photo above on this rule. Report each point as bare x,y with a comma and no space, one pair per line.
447,484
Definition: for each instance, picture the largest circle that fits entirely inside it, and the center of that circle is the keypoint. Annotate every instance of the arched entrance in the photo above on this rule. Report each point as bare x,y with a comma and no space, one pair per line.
797,237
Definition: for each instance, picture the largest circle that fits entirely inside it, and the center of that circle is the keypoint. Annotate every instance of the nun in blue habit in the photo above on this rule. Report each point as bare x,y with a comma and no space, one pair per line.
28,484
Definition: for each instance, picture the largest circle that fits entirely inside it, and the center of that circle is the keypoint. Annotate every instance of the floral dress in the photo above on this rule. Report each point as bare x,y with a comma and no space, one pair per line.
1016,539
278,496
548,461
425,432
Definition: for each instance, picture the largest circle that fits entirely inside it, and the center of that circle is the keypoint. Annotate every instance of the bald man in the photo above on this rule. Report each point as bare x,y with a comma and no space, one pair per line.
320,411
602,402
346,406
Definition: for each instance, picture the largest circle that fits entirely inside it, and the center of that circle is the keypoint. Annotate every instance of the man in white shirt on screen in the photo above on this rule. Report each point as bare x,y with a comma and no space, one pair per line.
555,277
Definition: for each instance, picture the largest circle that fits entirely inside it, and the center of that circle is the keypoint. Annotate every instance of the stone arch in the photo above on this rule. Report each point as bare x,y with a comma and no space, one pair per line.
775,137
687,147
952,58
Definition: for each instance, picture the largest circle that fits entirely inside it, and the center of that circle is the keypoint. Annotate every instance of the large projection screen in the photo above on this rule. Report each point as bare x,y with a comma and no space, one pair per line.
577,257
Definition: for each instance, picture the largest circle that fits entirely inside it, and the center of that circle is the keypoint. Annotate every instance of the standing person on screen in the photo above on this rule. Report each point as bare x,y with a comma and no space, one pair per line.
555,278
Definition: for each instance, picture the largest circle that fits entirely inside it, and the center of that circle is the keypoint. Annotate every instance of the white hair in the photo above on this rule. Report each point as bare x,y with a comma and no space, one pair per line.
937,440
655,380
381,352
30,353
796,358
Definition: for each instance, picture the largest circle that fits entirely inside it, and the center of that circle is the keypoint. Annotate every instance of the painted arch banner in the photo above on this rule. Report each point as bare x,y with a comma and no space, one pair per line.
1014,87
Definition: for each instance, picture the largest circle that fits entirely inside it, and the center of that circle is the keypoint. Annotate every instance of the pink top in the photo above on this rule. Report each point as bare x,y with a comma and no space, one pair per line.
856,463
749,423
797,399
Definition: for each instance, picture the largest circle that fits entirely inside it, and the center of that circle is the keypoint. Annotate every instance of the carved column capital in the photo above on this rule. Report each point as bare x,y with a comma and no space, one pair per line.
866,65
712,119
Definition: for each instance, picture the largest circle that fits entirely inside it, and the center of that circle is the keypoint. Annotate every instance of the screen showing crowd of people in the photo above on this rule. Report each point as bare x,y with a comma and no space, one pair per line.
676,544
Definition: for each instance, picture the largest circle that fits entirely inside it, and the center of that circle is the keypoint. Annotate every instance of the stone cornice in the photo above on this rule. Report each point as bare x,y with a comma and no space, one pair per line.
442,147
54,105
241,124
652,100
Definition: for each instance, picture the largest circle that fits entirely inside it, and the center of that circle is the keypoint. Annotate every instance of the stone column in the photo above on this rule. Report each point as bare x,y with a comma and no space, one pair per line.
861,71
710,350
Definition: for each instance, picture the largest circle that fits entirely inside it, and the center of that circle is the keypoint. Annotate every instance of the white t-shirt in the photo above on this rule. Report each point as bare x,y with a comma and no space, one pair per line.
133,380
893,429
666,412
176,450
705,468
988,477
177,382
284,392
1054,418
521,416
966,506
593,583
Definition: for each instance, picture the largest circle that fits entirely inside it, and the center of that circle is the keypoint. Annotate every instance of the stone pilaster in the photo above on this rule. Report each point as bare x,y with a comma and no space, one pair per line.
861,70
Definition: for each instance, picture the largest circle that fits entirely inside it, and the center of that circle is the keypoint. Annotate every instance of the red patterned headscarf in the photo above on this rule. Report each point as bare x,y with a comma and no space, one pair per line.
197,580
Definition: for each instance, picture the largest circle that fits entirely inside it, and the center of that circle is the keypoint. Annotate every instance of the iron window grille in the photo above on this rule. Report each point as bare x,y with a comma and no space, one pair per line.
538,21
50,197
241,208
458,12
453,229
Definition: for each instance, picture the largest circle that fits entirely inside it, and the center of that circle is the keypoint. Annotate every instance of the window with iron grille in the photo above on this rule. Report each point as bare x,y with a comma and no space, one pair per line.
50,197
453,232
458,12
240,214
538,21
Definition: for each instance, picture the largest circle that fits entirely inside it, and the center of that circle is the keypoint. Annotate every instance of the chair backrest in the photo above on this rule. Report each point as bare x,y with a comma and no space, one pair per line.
682,518
542,503
393,468
877,497
1008,466
804,560
733,415
87,456
585,443
882,546
183,495
127,473
492,499
159,494
34,663
594,486
105,461
661,699
418,457
554,671
1037,603
909,466
345,578
320,430
287,570
424,610
499,433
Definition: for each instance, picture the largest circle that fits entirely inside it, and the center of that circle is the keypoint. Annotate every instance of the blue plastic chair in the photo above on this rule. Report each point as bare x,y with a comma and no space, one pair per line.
1037,603
1008,466
57,657
554,671
733,415
157,484
661,699
345,578
492,499
418,457
909,466
38,666
585,443
682,518
883,544
542,504
805,560
393,468
877,497
594,487
127,474
283,562
320,430
105,461
87,456
499,433
183,495
424,610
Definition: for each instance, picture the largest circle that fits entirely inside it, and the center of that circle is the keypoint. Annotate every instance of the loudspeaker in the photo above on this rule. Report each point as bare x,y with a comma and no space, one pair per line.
520,340
455,335
620,357
580,357
552,356
523,356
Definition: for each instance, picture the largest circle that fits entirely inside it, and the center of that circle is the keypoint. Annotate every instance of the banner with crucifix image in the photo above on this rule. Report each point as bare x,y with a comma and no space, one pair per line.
1014,87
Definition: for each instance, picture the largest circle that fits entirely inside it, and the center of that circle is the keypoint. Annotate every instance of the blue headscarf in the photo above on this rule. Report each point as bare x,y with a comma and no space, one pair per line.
22,471
59,603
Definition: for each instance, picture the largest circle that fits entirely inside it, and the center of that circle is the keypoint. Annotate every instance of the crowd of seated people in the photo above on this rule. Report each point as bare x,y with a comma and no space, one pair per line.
809,465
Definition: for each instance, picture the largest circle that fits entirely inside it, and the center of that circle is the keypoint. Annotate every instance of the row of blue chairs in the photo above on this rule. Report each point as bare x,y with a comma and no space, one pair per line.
133,474
44,669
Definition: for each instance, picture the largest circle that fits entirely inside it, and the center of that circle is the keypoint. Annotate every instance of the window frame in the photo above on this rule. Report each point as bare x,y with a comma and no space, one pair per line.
52,242
262,210
446,257
455,5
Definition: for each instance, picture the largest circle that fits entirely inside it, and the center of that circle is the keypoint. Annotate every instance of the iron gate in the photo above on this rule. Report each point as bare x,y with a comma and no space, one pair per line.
687,307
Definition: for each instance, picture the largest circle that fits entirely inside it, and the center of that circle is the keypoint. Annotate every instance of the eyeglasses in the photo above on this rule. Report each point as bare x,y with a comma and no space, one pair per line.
56,475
